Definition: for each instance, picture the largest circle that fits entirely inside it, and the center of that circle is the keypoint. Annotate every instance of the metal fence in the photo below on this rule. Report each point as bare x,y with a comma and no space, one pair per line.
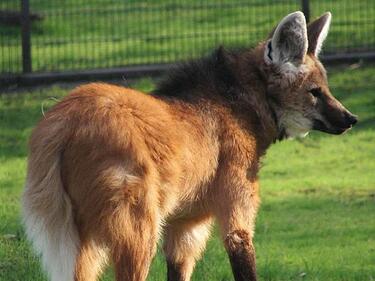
59,36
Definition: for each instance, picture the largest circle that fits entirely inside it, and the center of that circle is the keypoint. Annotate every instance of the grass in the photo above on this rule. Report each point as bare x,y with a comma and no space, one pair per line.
81,34
316,221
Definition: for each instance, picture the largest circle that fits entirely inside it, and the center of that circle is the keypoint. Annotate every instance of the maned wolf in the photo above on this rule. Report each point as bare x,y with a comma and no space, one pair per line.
112,169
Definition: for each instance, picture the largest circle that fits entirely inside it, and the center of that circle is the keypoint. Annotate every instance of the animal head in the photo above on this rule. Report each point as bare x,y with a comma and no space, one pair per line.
297,81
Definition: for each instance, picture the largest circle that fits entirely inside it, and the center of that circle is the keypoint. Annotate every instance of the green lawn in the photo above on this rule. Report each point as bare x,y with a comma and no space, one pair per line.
317,219
81,34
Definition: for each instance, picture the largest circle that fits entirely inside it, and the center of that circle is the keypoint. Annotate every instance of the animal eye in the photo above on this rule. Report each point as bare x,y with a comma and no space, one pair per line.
316,92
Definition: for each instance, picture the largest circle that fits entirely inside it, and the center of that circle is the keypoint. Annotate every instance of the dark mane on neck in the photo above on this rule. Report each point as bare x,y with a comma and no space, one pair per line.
209,77
232,78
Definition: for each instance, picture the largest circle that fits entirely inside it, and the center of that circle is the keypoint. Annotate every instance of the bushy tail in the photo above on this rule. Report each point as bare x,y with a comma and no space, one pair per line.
47,209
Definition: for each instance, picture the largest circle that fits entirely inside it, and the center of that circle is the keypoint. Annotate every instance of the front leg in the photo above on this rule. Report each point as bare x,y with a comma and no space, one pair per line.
237,219
241,255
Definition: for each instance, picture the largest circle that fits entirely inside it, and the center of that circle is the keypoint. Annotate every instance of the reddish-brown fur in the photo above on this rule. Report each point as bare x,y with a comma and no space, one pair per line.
135,166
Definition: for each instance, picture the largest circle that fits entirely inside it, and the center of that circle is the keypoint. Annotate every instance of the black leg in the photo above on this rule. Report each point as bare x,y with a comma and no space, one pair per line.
242,255
174,272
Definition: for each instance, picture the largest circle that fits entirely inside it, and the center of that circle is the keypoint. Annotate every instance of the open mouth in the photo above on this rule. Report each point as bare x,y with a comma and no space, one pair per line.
321,126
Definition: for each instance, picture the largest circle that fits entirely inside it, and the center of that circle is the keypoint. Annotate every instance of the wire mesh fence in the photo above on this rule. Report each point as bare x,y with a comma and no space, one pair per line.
76,35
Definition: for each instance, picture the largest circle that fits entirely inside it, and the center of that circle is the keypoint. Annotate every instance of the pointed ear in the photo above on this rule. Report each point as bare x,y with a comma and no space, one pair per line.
317,32
289,41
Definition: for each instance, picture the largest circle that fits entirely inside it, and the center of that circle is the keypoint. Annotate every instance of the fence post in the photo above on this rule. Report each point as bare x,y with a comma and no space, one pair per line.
26,36
306,9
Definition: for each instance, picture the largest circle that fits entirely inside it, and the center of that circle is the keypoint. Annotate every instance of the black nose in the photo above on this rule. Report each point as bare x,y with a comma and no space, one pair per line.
351,119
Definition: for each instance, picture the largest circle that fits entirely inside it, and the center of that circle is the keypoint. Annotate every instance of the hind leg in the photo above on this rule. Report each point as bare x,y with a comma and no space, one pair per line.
120,209
133,229
132,257
90,261
133,263
184,244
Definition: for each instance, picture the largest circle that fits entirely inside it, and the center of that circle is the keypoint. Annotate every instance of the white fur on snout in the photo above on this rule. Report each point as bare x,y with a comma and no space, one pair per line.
295,124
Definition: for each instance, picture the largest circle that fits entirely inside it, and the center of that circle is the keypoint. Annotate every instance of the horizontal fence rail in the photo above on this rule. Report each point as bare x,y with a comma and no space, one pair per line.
40,36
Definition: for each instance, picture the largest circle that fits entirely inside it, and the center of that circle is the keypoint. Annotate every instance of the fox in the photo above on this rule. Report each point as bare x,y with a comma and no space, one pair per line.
111,170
